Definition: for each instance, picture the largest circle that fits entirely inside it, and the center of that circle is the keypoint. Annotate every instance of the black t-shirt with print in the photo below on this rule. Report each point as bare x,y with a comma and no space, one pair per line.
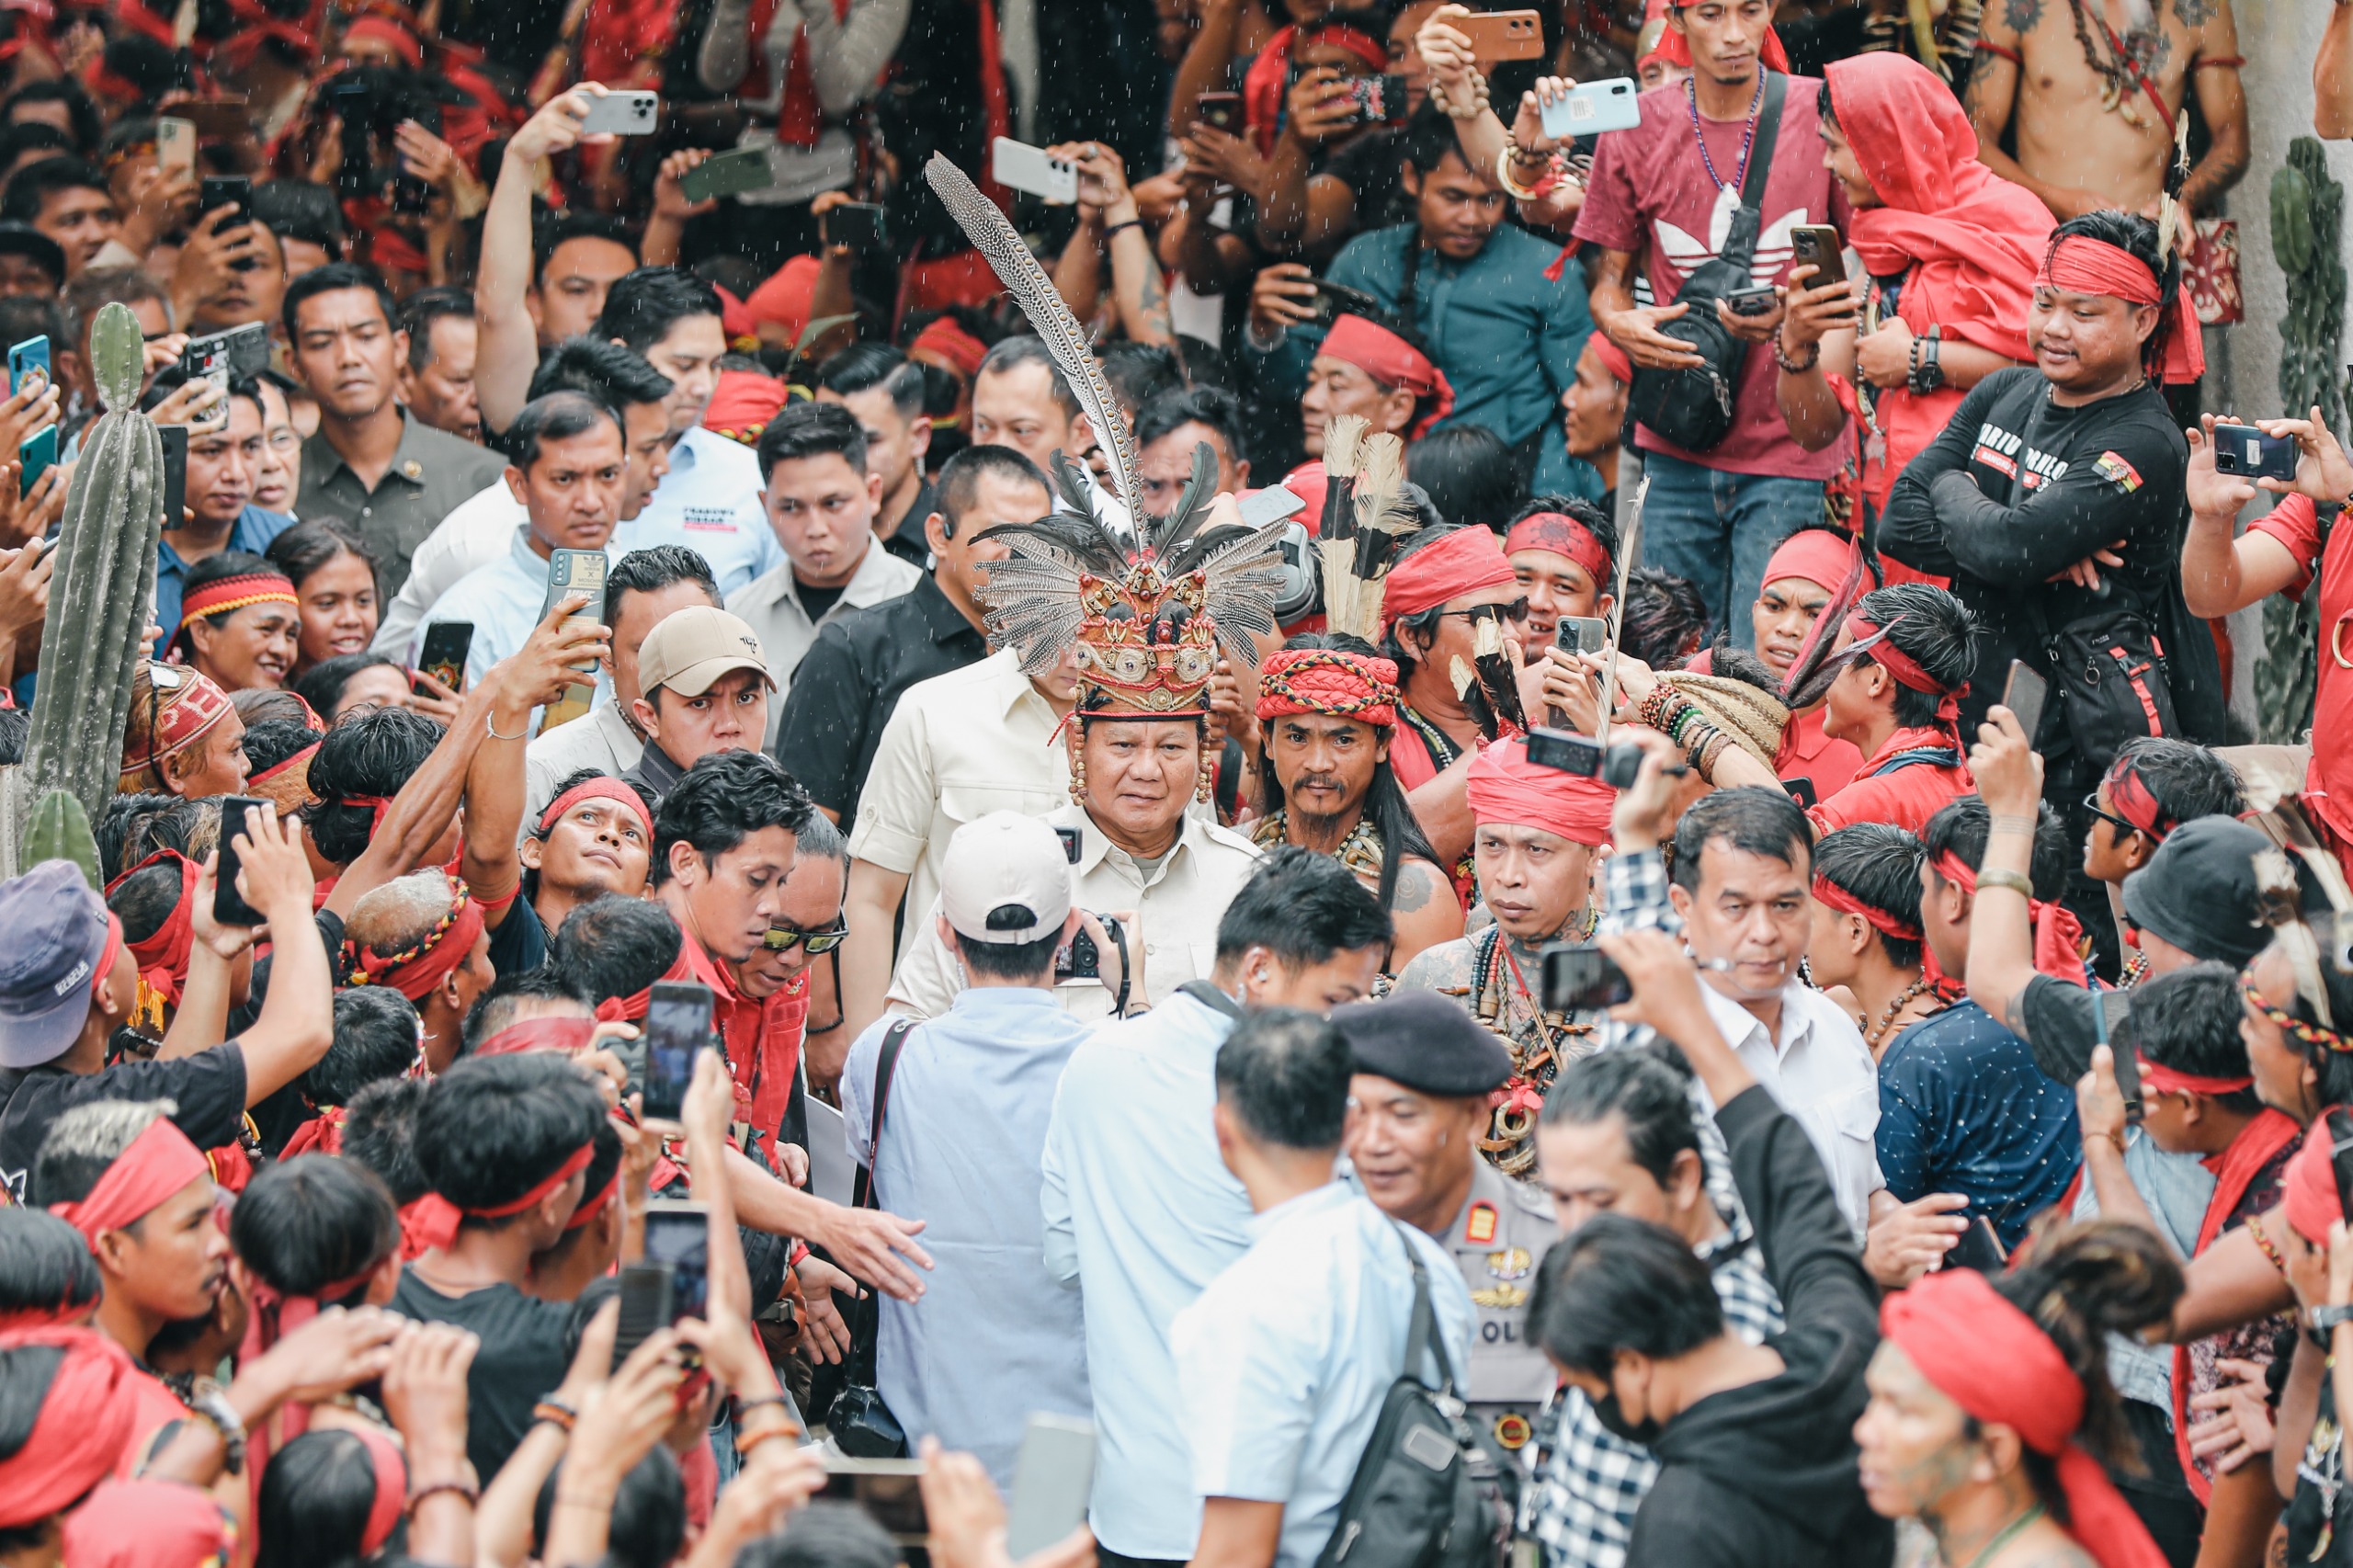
208,1088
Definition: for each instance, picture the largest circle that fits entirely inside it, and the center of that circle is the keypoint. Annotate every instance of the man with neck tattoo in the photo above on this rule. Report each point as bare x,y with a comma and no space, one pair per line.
1538,829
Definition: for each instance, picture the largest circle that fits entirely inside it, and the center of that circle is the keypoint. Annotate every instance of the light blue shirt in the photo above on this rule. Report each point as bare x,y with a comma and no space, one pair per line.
1287,1356
994,1337
503,601
1141,1215
709,502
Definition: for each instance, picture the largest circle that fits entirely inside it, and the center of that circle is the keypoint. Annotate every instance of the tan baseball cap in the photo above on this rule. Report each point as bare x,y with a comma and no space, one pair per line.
693,647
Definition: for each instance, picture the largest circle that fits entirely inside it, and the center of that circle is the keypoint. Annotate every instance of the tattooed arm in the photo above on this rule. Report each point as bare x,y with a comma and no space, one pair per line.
1445,968
1424,910
2221,98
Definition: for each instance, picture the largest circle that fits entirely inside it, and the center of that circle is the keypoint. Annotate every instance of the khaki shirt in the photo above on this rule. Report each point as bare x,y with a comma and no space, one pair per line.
1173,935
601,739
770,605
432,472
1497,1241
957,746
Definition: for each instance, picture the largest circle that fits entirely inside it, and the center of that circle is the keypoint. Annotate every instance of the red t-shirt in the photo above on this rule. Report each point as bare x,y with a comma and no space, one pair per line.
1907,797
2328,781
1651,192
1807,752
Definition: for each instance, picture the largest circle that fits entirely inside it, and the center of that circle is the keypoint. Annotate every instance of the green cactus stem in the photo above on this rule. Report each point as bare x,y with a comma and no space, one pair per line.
60,830
104,582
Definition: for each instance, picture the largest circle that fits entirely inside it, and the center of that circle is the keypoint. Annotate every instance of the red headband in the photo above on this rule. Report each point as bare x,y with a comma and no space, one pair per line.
226,594
1903,666
1264,84
1389,359
433,1220
1320,680
593,1203
1676,50
392,1489
2057,935
600,788
1613,358
947,338
286,764
1996,1363
186,710
1503,786
2128,793
567,1034
415,971
150,1524
1561,535
163,957
322,1134
2081,264
2165,1079
1831,894
158,1164
1817,555
79,1436
2308,1185
626,1009
1462,562
381,30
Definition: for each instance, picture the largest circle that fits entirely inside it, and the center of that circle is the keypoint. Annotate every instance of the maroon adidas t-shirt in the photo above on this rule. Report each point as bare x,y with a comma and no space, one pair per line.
1651,192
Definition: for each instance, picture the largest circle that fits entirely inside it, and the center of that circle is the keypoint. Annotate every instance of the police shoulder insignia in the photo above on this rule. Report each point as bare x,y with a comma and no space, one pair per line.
1511,1262
1500,1298
1480,1225
2112,467
1512,1430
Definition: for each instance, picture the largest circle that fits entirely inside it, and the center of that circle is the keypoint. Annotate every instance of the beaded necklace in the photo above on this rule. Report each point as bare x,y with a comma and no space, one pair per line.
1747,136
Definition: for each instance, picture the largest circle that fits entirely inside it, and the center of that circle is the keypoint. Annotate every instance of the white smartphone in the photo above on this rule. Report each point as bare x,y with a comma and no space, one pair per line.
1271,504
621,114
1020,166
1051,1482
1594,107
176,144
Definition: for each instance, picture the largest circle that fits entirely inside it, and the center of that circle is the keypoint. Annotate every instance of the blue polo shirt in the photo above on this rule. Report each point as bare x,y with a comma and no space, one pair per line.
1963,1109
252,531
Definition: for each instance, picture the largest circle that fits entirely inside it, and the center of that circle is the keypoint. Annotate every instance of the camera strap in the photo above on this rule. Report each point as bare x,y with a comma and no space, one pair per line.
886,1066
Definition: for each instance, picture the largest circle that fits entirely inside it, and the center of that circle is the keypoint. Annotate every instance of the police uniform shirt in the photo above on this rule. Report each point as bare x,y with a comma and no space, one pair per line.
1497,1241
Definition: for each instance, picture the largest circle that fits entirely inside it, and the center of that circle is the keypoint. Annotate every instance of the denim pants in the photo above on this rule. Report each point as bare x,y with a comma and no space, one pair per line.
1718,529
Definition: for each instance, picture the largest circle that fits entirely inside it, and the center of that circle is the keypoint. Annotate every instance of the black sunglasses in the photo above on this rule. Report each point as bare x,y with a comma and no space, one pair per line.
2091,804
784,938
1515,612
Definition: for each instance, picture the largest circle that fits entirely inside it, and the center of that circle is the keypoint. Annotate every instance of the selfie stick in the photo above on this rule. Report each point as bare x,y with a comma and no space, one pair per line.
1629,544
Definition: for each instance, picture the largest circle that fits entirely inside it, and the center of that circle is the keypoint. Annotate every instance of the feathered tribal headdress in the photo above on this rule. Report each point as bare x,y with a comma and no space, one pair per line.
1149,616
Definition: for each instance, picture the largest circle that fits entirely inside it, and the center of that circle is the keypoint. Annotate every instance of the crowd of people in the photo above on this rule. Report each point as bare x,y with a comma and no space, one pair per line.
1356,746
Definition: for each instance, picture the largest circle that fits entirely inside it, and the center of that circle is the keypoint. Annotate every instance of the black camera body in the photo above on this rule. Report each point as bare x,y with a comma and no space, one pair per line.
1581,978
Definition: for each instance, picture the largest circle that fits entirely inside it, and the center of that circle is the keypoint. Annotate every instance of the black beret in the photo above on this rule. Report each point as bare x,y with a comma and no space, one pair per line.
1425,1041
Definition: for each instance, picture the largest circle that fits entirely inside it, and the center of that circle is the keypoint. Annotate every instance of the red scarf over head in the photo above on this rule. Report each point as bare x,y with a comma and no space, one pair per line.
1564,536
1676,50
163,956
79,1437
1996,1363
1503,786
415,971
1269,75
151,1524
1322,680
2081,264
2057,935
158,1164
1461,562
1390,359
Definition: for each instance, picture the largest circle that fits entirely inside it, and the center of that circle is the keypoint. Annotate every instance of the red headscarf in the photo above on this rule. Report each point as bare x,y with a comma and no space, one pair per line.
415,971
163,957
784,299
1462,562
322,1134
1970,240
384,30
2131,797
79,1437
1613,358
151,1524
1561,535
1831,896
601,787
158,1164
566,1035
2057,935
946,338
1270,74
1320,680
2081,264
1503,786
1903,666
1996,1363
1676,50
187,706
2308,1185
1815,555
1389,359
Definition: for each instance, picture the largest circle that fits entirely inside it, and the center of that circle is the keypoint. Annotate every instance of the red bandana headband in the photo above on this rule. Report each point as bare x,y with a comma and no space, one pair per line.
1322,680
229,593
947,338
567,1034
2308,1185
158,1164
2057,935
163,957
1462,562
392,1489
1676,48
1831,896
1996,1363
187,708
150,1524
1613,358
1503,786
597,788
1269,75
2165,1079
1561,535
79,1436
626,1009
594,1203
433,1221
2081,264
415,971
1389,359
2128,793
390,33
1901,665
1816,555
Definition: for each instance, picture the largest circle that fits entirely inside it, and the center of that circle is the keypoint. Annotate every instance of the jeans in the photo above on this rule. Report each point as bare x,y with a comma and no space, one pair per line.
1718,531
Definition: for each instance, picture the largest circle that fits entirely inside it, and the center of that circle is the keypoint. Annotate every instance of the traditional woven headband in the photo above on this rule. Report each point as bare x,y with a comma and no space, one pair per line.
235,593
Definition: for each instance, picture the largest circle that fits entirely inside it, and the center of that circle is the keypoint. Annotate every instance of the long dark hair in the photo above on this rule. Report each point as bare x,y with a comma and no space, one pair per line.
1384,803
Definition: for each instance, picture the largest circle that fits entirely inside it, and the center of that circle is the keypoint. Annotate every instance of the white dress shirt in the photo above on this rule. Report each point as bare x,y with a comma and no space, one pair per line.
957,747
473,536
1287,1356
709,502
1141,1215
771,604
1819,1071
1174,931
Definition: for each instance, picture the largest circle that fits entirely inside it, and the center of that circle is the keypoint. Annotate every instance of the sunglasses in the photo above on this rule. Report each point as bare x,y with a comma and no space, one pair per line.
784,938
1515,612
2124,829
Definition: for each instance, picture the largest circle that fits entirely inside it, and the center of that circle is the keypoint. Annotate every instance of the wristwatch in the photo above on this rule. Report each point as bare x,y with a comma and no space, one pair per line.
208,1400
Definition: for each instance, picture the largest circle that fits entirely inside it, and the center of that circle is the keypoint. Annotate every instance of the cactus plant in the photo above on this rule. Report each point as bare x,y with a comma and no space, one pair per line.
60,830
105,580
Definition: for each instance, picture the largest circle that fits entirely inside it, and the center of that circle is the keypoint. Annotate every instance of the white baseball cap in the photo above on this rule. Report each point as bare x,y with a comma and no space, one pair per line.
1005,880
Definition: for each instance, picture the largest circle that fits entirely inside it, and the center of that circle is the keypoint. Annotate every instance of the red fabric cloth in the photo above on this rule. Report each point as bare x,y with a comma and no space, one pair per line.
2308,1187
962,277
1908,797
1503,786
1676,50
1807,752
783,299
2082,264
1813,555
540,1034
322,1134
1410,760
190,707
945,339
1831,896
762,1038
163,957
621,36
626,1009
1462,562
443,951
1902,665
2164,1080
798,116
1270,76
150,1524
1317,680
1562,536
156,1165
742,404
1966,242
600,788
1613,358
1387,357
79,1436
436,1219
1994,1362
2057,935
2328,780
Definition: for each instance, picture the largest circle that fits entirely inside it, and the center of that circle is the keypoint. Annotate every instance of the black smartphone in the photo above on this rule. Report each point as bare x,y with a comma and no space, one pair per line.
2249,453
229,906
2023,694
1978,1247
1580,977
175,474
1073,841
677,1025
1617,765
679,1234
1220,112
227,190
1582,633
247,348
1802,791
1757,301
446,645
645,1307
1334,300
858,224
2115,1006
1819,247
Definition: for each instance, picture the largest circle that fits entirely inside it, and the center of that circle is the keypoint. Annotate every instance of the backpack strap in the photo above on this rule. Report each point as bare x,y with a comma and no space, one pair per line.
886,1066
1768,133
1421,1342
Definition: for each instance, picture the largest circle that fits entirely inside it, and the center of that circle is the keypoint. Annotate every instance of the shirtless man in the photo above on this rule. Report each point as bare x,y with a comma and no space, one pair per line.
2073,77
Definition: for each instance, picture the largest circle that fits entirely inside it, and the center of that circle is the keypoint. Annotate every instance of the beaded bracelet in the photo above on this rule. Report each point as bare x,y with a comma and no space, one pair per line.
1478,93
555,1413
750,1440
2264,1244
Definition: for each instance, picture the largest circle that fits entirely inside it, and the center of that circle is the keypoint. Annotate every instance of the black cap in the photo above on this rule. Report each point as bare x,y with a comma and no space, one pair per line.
1425,1041
2199,891
23,239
